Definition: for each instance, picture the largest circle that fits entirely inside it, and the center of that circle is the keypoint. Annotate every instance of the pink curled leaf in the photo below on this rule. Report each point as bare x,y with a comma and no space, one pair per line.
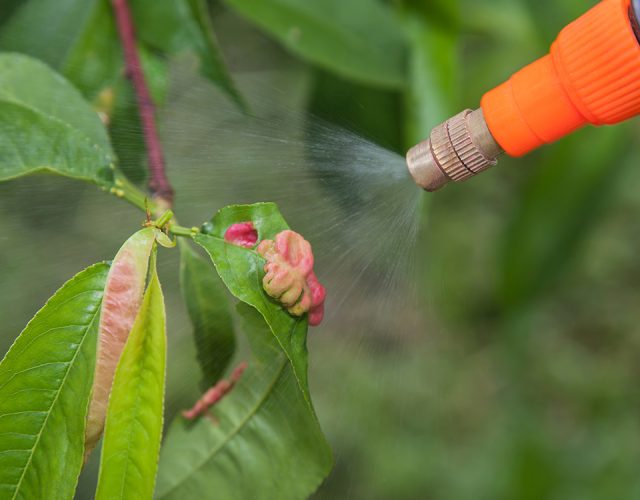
121,303
289,275
213,395
243,234
238,371
318,294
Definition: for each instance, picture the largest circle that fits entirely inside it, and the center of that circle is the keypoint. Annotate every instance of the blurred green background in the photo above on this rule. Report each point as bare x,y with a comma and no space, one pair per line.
522,383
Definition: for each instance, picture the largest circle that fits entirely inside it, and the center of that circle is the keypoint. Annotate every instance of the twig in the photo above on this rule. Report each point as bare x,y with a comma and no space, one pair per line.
158,182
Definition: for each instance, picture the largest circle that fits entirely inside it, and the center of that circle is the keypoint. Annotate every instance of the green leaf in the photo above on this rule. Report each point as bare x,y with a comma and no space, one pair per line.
95,59
45,384
515,21
445,14
177,26
83,45
45,125
556,210
208,306
358,39
7,9
372,112
432,93
133,428
265,441
269,412
78,38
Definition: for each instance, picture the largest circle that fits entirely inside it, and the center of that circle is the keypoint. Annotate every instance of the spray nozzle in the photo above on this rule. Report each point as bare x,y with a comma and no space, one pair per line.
591,75
457,149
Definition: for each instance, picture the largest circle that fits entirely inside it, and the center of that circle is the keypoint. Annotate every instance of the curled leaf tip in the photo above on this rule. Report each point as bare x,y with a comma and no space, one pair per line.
121,303
289,275
318,294
163,238
243,234
215,393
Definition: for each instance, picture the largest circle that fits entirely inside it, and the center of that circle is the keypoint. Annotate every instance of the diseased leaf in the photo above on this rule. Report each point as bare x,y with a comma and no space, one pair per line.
208,306
134,419
241,270
358,39
122,299
266,218
45,384
183,25
45,125
268,411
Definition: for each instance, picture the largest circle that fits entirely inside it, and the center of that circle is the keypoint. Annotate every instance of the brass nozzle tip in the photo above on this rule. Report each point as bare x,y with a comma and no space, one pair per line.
457,149
423,167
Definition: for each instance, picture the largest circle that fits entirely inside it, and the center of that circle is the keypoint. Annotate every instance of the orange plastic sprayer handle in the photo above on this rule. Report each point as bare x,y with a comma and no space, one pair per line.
591,75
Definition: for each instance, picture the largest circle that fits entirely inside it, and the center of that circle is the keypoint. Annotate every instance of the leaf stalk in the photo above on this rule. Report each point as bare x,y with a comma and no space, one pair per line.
187,232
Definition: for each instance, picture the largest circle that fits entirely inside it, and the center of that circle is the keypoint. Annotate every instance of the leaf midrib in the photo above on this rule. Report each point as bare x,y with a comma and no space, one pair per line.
286,359
143,323
238,428
263,300
135,418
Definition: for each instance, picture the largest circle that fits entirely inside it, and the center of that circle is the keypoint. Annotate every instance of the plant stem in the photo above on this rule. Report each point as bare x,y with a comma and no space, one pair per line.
177,230
164,219
127,191
159,184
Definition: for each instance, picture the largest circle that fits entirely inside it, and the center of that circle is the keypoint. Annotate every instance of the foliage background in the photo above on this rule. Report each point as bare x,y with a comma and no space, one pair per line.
523,383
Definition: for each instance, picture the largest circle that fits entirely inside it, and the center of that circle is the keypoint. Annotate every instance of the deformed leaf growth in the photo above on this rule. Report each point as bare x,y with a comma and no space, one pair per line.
123,296
269,410
133,427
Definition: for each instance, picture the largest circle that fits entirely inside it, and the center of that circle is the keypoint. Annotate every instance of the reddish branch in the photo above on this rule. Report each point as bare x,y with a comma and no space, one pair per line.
158,181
